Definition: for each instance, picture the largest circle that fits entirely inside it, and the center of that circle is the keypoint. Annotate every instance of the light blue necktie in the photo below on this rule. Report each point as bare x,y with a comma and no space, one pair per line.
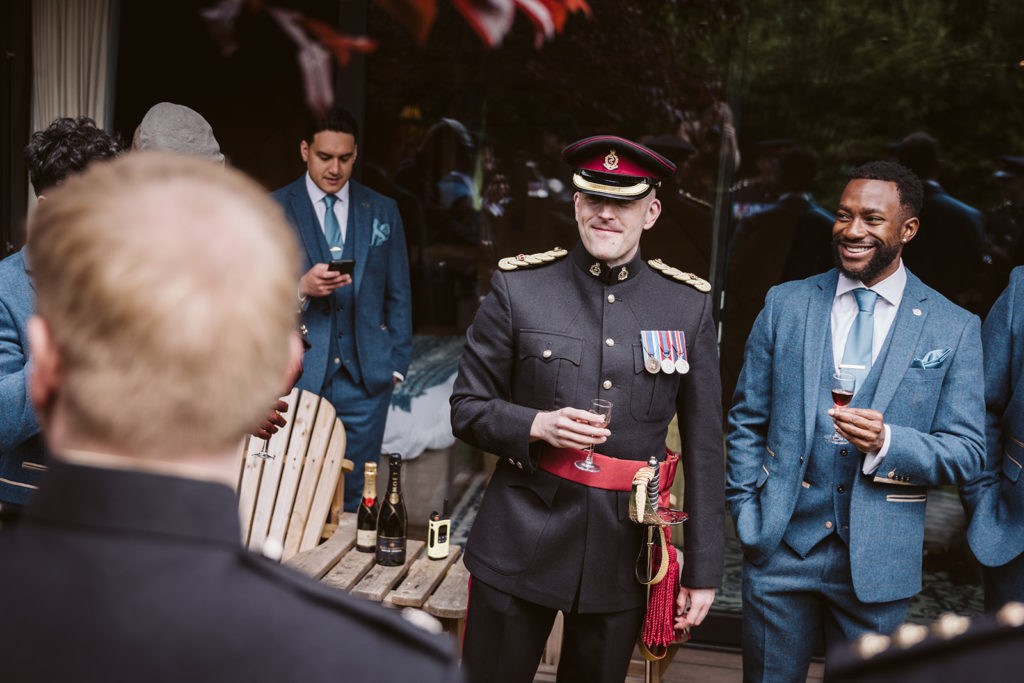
332,231
858,342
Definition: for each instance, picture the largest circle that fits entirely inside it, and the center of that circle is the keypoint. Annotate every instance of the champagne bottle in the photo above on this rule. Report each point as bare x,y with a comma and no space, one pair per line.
366,516
392,523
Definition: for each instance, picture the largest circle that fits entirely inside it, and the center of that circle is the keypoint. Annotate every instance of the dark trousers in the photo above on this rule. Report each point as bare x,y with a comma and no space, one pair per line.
505,638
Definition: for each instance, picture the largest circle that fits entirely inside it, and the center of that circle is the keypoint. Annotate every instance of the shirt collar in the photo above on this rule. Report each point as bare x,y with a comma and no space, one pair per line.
890,289
317,195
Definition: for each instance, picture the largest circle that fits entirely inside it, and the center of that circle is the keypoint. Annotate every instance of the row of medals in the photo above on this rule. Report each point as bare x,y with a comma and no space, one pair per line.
666,365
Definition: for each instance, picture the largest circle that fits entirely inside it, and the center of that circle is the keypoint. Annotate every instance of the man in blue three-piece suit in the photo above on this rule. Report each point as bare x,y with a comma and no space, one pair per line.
996,500
358,322
65,147
832,534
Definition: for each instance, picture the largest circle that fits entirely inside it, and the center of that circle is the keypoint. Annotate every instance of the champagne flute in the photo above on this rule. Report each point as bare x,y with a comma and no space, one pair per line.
843,384
602,411
264,453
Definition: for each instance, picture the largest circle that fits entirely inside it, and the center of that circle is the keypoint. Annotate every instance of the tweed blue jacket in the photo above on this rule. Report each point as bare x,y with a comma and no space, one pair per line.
934,413
21,446
383,322
996,499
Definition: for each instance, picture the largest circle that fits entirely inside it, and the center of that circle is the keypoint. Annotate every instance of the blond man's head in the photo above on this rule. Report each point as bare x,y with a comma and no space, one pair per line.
167,286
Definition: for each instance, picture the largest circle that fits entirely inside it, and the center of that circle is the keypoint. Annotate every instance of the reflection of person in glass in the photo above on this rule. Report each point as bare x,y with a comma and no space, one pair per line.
832,535
558,329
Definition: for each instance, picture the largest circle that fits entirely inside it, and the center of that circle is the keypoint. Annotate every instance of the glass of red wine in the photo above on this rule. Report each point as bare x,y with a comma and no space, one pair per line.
843,384
602,411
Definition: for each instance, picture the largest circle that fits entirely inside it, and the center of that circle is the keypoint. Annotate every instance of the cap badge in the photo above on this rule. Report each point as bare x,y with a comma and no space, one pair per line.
611,162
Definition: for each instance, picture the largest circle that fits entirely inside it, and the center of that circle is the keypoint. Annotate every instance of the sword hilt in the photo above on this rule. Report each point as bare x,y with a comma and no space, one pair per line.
654,485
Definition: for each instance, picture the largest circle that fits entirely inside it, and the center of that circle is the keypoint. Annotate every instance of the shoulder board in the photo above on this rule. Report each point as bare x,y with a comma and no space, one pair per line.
532,260
700,284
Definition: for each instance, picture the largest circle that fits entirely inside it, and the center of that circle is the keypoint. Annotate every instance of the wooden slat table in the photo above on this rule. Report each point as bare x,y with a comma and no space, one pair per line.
438,587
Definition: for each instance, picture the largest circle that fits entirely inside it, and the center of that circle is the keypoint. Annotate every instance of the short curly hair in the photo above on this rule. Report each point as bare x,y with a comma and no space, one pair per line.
908,185
67,146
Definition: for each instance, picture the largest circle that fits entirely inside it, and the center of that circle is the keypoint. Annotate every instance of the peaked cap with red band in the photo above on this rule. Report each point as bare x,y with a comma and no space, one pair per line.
610,166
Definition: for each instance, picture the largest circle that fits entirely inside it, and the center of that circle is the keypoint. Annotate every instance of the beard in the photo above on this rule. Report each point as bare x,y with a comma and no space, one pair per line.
885,254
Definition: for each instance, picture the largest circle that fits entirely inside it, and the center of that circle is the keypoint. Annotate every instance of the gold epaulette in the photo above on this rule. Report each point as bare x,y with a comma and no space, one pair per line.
532,260
700,284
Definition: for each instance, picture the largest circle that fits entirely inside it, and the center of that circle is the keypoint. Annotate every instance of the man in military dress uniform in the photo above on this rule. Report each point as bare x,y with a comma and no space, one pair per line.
559,329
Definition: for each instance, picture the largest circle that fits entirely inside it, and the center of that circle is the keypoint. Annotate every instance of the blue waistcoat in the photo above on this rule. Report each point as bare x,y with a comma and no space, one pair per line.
823,505
343,340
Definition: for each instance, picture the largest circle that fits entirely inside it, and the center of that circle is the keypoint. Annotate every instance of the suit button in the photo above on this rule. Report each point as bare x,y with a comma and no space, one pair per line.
611,298
609,342
607,384
843,452
519,465
892,475
840,489
547,353
337,361
511,461
828,525
801,458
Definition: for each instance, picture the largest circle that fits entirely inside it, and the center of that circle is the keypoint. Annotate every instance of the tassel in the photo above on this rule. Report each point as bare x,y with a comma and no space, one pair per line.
659,631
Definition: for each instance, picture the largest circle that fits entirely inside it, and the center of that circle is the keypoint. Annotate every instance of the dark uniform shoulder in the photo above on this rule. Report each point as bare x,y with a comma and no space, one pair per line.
416,637
524,261
700,284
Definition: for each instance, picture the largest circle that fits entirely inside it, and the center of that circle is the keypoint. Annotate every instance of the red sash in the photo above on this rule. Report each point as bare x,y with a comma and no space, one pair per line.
615,475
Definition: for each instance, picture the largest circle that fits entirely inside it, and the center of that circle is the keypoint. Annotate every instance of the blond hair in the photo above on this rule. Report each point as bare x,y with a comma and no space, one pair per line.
168,285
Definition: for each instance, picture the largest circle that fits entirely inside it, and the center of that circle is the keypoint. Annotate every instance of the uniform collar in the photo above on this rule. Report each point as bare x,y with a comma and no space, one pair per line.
136,502
599,271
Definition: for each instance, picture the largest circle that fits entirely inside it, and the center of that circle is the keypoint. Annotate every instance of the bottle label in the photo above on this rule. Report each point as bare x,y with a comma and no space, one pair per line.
390,546
366,538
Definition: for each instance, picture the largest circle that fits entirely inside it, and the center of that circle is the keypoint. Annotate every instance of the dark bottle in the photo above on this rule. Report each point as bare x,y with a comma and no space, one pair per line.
392,524
366,516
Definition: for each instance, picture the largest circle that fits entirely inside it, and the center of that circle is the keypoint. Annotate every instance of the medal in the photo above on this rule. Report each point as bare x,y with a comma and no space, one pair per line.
650,344
668,363
682,365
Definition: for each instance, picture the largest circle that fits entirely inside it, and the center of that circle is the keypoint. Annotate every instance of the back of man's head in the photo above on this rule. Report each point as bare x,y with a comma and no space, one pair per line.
920,153
167,285
66,146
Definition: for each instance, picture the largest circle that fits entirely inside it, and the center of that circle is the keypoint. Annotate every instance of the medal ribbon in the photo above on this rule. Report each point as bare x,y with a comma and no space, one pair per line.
681,343
667,350
650,343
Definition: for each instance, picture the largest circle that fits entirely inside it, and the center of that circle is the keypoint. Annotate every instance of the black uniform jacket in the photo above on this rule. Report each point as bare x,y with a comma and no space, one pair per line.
125,576
555,336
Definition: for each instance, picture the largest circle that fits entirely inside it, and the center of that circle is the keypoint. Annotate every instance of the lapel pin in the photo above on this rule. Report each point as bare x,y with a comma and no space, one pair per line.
916,311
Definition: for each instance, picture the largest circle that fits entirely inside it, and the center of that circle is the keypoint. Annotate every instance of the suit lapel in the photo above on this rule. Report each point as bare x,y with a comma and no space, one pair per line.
906,329
819,318
359,228
309,227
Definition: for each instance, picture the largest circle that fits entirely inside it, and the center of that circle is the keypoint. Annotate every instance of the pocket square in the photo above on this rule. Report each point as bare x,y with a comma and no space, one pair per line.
933,359
381,233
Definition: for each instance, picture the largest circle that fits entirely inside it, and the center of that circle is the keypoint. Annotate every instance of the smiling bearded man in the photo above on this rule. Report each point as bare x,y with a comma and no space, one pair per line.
832,530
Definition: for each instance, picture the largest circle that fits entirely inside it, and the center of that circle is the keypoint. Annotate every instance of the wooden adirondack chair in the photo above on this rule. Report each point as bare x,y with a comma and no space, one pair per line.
284,502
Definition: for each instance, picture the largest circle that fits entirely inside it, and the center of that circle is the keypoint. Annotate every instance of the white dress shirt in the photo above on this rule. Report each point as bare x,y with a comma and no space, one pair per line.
844,312
316,195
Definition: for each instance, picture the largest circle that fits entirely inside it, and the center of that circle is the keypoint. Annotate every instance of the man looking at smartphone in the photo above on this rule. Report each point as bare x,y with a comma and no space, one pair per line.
358,322
832,533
